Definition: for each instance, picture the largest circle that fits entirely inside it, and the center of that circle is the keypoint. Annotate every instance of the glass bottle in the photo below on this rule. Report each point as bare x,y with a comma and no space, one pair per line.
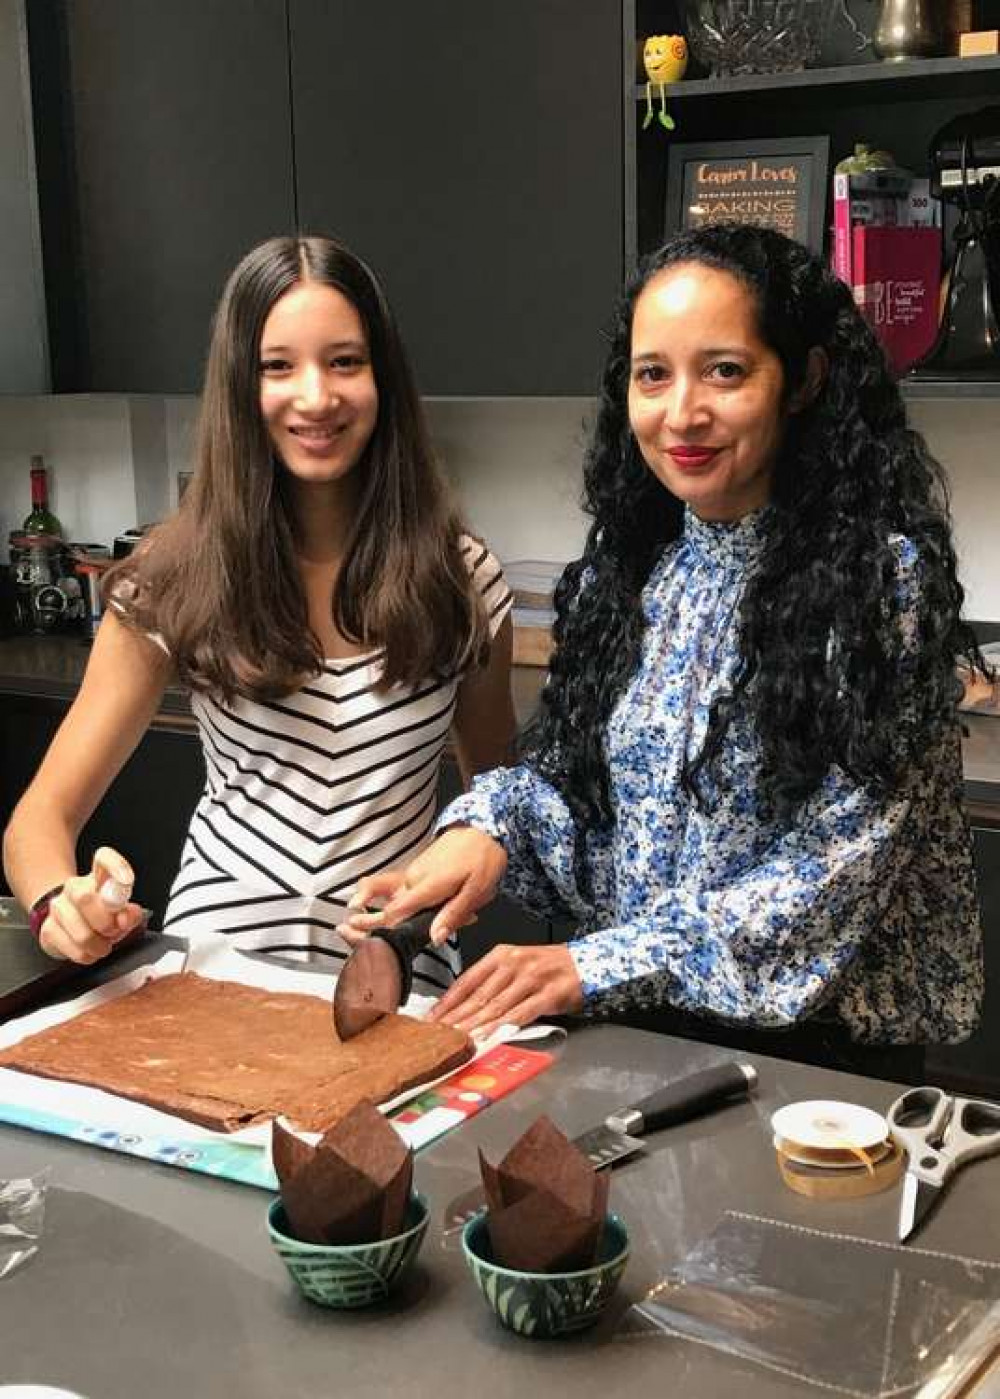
41,520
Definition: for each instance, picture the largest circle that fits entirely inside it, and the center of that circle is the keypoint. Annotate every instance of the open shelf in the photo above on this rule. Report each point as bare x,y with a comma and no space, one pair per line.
898,106
950,388
946,77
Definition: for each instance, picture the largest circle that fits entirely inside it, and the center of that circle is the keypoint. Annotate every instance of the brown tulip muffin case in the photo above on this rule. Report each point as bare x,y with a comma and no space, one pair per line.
226,1055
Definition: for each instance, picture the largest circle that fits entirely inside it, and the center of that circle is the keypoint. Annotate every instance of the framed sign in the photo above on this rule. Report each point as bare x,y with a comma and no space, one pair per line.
777,183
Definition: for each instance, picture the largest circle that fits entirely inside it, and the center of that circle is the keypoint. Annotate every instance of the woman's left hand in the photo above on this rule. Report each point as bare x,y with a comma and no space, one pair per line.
512,985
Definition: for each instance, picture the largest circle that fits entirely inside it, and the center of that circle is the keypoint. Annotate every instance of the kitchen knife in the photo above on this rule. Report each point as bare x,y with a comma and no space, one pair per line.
618,1137
377,977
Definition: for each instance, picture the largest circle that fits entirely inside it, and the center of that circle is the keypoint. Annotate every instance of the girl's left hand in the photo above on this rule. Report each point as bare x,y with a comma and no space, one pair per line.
512,985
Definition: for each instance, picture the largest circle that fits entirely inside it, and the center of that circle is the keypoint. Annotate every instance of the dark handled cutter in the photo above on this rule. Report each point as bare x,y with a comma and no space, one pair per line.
377,977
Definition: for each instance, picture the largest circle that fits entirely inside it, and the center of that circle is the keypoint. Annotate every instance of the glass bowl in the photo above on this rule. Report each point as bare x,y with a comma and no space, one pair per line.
757,36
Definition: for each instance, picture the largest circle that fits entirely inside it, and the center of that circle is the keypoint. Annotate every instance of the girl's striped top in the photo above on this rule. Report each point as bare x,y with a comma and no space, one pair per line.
306,794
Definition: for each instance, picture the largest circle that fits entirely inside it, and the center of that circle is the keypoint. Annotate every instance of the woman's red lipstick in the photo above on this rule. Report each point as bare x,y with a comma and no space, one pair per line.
689,458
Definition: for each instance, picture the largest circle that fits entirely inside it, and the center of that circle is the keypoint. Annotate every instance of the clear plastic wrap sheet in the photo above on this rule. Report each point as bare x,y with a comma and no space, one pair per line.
22,1214
849,1315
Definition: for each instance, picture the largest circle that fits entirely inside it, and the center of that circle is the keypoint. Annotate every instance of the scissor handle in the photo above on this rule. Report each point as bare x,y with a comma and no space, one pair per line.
941,1133
974,1130
917,1121
920,1113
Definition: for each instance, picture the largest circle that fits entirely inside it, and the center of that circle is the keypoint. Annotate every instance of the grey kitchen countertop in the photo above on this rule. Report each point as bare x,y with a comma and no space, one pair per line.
154,1281
51,667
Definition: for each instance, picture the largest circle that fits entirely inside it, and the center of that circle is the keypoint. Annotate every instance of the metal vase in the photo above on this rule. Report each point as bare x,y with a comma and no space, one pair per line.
909,29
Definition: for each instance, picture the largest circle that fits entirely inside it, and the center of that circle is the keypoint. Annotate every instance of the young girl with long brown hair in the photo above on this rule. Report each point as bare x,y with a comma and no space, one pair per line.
317,594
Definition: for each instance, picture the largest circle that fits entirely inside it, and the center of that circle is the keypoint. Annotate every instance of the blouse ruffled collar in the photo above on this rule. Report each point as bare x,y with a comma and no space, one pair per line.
727,544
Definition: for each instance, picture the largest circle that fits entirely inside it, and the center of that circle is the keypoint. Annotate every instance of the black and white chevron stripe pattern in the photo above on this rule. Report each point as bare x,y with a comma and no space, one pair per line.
307,794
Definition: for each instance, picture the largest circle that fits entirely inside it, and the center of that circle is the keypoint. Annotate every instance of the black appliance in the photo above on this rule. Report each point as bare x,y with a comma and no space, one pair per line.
965,171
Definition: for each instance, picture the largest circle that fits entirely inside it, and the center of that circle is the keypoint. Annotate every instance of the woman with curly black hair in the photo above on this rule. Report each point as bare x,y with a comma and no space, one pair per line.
744,782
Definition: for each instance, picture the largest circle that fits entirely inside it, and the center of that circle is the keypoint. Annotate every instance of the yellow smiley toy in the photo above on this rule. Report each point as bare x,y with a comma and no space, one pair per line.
664,57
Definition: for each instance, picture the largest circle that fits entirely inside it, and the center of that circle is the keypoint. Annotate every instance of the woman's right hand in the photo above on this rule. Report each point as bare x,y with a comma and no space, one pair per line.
461,870
92,912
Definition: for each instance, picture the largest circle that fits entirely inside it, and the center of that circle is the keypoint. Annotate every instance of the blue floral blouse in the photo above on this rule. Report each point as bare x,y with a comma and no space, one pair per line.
862,909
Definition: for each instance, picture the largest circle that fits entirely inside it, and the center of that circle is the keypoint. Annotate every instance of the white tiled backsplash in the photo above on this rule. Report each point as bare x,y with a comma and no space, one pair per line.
515,464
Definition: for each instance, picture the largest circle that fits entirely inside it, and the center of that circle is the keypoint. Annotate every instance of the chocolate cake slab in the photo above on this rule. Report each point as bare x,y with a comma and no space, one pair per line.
226,1055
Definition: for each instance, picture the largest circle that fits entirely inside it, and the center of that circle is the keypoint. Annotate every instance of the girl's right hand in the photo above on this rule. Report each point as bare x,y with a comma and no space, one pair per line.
461,870
92,912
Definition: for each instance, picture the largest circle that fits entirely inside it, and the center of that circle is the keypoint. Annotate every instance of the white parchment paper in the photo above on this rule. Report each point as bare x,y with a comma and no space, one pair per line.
211,956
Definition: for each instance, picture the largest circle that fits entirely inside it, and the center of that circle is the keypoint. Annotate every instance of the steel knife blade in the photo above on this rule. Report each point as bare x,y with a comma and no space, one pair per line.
918,1199
370,985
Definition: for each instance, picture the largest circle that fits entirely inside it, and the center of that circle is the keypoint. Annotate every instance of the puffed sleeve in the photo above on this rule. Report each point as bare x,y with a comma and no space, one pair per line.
488,580
765,941
770,946
529,818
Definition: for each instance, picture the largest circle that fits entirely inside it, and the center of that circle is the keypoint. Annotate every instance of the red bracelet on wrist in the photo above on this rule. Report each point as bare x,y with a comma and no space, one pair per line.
39,910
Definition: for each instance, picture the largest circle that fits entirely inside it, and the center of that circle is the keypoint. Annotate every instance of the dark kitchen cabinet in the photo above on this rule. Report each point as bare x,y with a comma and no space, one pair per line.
488,160
472,154
23,351
146,810
164,148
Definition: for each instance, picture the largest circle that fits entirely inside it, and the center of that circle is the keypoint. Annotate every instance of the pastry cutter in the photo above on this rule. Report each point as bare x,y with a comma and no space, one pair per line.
618,1137
377,977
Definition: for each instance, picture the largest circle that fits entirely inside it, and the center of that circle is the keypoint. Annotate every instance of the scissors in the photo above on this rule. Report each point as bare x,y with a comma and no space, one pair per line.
940,1134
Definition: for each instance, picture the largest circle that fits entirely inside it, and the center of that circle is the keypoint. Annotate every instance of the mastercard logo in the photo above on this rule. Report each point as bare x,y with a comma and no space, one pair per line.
480,1083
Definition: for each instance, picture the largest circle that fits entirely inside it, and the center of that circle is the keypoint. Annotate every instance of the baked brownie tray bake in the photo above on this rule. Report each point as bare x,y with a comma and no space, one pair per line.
226,1056
201,1080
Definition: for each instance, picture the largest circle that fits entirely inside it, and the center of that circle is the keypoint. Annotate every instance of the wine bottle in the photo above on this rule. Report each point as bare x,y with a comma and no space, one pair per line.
41,520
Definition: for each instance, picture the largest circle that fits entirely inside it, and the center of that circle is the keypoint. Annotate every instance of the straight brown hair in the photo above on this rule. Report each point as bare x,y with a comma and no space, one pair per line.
218,581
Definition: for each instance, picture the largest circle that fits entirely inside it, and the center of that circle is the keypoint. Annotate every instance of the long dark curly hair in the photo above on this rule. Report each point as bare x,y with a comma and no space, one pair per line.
822,652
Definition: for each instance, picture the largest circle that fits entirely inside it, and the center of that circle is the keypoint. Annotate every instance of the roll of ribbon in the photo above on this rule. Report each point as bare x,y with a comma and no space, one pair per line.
832,1150
821,1183
823,1125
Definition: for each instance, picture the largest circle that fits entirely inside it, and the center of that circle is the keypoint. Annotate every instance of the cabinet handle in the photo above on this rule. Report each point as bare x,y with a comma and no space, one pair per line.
174,723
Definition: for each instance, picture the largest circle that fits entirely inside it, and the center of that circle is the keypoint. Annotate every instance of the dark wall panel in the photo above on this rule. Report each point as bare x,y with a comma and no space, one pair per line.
176,158
472,154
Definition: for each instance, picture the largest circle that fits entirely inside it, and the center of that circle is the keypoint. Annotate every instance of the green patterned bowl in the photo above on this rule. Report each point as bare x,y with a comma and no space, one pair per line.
547,1304
349,1275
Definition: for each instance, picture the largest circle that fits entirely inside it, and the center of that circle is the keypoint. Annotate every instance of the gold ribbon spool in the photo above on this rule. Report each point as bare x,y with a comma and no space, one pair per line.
835,1151
828,1182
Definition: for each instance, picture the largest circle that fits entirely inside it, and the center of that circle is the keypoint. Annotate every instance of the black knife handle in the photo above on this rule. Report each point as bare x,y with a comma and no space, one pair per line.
690,1096
407,939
